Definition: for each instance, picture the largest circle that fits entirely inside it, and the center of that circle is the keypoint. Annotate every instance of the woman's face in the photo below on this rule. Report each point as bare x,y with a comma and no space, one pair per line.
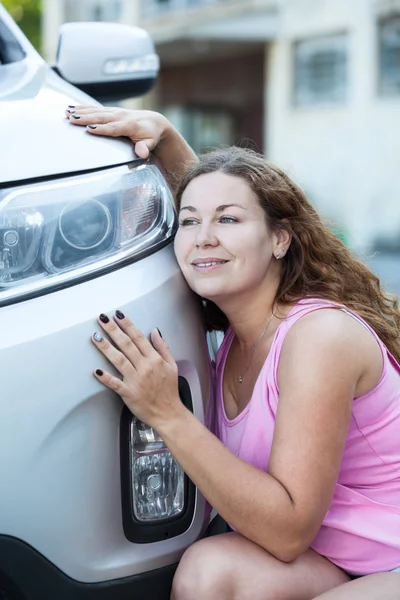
223,245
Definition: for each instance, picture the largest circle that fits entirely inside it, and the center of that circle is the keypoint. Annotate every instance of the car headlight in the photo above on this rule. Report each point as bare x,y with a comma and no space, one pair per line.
60,232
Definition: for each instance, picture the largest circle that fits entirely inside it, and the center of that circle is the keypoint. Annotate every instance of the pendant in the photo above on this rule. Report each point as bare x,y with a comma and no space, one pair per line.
240,379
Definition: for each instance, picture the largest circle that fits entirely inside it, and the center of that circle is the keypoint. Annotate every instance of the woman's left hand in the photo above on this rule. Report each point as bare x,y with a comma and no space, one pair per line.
149,384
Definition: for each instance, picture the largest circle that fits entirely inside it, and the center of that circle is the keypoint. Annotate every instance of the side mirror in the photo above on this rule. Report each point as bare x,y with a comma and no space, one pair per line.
108,61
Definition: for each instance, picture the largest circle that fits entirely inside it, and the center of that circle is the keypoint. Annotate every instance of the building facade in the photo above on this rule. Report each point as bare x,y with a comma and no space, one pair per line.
315,84
333,99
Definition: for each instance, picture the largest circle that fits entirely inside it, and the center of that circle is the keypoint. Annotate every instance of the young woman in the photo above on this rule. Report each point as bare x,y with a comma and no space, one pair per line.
302,452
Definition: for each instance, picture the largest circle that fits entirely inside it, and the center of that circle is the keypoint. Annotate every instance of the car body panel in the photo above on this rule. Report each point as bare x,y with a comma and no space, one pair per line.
40,141
60,451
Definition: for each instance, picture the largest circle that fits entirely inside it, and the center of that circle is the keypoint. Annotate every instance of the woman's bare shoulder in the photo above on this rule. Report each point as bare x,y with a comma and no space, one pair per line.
330,338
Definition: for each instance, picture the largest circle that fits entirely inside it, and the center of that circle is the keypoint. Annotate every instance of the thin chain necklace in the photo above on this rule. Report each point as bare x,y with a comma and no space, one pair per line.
241,375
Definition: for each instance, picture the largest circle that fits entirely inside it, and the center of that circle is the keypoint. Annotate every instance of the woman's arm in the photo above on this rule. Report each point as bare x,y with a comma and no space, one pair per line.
283,509
148,130
280,510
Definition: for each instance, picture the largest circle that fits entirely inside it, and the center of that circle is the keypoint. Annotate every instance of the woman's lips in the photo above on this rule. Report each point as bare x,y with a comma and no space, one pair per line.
208,264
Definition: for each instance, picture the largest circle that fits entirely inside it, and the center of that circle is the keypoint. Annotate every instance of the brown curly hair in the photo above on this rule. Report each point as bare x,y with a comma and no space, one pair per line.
317,263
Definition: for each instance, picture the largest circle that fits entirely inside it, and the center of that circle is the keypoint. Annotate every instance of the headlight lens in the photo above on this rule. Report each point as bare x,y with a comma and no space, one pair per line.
56,233
158,482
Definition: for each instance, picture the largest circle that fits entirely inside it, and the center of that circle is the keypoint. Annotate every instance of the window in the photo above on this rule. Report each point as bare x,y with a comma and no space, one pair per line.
93,10
151,8
389,55
320,71
203,128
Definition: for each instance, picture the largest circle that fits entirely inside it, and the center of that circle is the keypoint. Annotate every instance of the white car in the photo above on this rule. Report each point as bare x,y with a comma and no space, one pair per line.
92,504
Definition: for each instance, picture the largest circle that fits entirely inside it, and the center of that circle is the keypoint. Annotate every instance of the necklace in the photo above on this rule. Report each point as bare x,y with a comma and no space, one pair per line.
241,375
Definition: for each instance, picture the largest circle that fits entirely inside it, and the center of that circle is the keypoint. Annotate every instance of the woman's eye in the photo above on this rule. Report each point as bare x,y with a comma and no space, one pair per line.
187,222
228,220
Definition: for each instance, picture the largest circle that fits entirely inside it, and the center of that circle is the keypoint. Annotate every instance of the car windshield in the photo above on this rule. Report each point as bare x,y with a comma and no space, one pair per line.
10,50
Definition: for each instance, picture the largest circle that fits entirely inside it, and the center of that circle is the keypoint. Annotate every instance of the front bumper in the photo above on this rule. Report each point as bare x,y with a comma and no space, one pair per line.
26,575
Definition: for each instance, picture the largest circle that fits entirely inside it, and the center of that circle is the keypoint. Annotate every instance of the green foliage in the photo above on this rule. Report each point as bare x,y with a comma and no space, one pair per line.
27,13
342,234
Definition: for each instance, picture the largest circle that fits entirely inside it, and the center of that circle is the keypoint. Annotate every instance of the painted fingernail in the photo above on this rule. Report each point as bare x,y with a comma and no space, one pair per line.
119,314
70,111
97,337
159,332
71,105
92,126
103,318
75,117
99,372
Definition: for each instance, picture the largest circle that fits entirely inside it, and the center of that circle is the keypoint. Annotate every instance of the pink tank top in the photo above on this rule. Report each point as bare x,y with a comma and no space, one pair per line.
361,530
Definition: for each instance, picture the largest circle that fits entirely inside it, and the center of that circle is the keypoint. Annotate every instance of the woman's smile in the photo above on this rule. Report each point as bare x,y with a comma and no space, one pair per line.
205,265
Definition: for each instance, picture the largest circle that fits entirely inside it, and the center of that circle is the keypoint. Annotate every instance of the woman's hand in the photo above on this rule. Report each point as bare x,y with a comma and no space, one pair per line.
149,384
148,130
144,128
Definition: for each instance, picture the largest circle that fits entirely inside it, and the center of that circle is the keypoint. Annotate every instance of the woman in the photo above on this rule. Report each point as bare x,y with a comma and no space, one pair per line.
303,456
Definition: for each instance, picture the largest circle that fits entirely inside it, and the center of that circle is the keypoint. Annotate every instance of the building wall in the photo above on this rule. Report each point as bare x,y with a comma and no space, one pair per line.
346,156
209,19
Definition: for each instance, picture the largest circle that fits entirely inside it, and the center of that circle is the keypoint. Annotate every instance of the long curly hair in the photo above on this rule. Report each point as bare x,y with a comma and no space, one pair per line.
317,264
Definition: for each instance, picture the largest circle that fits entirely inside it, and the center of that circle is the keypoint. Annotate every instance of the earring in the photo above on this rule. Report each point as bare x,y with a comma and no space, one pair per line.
278,256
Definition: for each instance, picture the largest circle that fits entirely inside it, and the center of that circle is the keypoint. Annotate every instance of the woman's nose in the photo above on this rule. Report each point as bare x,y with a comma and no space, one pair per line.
205,236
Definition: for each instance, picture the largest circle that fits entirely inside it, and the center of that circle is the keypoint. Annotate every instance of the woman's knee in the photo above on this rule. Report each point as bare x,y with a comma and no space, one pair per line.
202,574
228,566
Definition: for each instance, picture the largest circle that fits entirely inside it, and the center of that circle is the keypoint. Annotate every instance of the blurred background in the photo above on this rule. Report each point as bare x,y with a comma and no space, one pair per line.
314,84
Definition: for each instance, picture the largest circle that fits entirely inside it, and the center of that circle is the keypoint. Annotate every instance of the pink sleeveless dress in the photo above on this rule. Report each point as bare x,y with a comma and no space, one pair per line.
361,530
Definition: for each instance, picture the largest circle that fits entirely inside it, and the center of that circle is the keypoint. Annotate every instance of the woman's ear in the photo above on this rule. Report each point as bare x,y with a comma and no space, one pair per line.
283,239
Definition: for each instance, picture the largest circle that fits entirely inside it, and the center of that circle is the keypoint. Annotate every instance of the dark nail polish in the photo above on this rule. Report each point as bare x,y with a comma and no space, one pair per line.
99,372
159,332
71,105
119,314
75,117
103,318
92,126
97,337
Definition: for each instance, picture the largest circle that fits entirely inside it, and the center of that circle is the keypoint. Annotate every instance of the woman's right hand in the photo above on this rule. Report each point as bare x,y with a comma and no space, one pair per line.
148,130
144,127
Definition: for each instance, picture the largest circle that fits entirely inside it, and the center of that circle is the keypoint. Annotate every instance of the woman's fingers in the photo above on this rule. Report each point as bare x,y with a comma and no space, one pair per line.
123,341
92,117
138,339
149,385
162,347
113,383
87,107
110,129
114,356
143,147
139,125
107,122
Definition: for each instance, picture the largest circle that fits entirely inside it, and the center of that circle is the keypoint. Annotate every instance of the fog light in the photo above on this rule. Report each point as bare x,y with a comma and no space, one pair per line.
158,487
158,482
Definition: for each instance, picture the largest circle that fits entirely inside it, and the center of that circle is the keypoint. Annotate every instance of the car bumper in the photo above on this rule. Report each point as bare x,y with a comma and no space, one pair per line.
26,575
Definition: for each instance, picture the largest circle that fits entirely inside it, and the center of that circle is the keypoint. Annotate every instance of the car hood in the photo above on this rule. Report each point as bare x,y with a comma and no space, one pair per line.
36,140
